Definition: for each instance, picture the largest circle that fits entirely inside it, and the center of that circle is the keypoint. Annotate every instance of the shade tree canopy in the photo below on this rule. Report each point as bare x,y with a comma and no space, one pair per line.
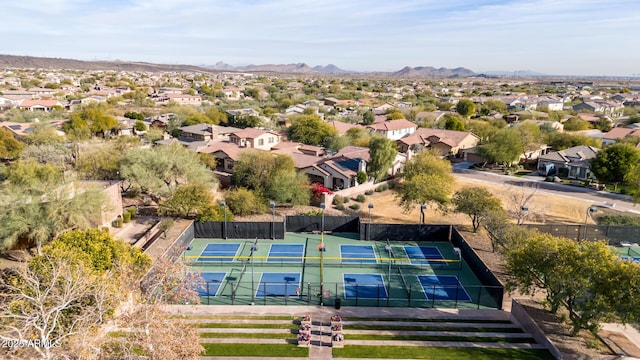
426,178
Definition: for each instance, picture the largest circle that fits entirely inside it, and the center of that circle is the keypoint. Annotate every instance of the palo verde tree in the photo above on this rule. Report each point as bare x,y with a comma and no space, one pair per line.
475,202
382,153
466,108
160,170
426,178
504,147
310,130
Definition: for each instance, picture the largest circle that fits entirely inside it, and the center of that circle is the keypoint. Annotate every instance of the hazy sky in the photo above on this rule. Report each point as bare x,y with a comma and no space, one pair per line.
572,37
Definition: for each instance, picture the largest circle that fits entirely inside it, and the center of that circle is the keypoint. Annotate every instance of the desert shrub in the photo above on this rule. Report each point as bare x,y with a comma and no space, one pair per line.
369,192
354,206
126,217
338,200
346,199
383,187
340,207
244,202
360,198
133,211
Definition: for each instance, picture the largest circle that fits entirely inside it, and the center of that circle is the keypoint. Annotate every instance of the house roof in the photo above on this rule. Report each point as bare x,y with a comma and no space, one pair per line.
391,125
427,136
232,150
571,155
343,127
619,133
251,133
202,129
354,152
20,129
45,103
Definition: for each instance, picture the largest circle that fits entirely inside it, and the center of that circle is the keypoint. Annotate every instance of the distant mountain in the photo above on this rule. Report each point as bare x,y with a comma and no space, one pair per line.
31,62
429,71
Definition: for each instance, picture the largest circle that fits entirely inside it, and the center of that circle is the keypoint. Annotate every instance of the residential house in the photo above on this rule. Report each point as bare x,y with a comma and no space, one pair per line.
254,138
551,104
226,154
243,112
393,129
40,105
182,99
618,133
343,127
445,142
589,106
383,108
575,159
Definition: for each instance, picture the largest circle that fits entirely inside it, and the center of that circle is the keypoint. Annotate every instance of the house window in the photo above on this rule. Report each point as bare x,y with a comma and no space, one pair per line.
229,164
260,142
270,140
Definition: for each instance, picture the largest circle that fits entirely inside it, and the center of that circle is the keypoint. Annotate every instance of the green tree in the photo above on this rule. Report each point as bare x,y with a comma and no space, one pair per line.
43,134
271,177
614,163
576,124
453,123
368,117
382,153
10,148
395,115
358,136
560,141
466,108
159,170
243,202
504,147
35,177
140,126
426,178
91,119
215,115
532,138
187,201
310,130
475,202
244,121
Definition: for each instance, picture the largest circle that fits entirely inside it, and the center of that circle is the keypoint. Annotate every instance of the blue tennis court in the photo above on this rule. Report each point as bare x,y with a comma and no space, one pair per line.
443,287
278,284
213,282
635,259
422,254
286,253
361,254
219,252
364,286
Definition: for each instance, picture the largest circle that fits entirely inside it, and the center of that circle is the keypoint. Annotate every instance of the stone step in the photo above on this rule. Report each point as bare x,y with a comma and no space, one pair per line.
245,330
236,321
439,324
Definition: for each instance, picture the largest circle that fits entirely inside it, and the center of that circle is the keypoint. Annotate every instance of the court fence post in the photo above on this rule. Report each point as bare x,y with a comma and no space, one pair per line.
208,299
433,296
308,293
286,293
233,292
378,297
457,290
409,296
264,293
356,294
479,296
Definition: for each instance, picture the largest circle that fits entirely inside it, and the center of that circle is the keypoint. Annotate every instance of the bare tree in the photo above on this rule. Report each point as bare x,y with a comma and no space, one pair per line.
519,203
49,307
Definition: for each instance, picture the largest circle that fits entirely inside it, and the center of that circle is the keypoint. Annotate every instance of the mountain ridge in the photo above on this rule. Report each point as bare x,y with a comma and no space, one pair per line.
34,62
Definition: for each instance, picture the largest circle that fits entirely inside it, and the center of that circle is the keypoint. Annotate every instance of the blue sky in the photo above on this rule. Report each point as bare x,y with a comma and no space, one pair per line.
563,37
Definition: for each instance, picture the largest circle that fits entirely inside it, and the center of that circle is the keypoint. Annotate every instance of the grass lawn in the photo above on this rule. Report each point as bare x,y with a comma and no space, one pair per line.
439,338
272,350
254,335
433,328
436,353
246,326
452,320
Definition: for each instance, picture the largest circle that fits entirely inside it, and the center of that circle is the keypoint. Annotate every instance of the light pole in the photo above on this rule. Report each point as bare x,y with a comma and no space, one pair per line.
521,214
423,207
254,248
224,206
272,205
369,230
590,210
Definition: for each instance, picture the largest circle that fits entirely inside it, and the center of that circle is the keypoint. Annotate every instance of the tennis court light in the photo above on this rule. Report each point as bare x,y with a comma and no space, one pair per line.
224,206
272,205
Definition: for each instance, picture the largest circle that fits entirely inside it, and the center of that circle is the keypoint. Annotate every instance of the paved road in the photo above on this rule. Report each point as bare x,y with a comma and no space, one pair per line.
589,196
